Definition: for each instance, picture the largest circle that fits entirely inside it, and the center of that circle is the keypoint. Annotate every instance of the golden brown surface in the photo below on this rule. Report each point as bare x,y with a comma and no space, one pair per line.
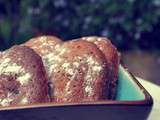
22,77
81,70
43,44
80,73
112,56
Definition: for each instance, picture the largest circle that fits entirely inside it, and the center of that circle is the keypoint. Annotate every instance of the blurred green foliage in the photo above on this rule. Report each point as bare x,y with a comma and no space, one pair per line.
130,24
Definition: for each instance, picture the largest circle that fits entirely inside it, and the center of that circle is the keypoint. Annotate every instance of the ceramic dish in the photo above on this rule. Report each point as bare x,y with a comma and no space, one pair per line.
132,100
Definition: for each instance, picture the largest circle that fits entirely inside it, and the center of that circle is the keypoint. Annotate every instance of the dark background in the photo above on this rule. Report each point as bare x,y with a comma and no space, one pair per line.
132,25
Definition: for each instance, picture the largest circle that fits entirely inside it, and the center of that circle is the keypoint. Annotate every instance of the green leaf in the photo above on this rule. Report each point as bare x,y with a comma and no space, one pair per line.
5,30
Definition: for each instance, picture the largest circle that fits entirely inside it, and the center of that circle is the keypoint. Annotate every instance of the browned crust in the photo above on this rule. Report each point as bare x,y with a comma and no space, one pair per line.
77,85
43,44
24,68
112,56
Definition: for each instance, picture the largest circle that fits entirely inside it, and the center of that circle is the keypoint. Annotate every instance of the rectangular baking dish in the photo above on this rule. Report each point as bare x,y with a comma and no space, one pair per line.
132,102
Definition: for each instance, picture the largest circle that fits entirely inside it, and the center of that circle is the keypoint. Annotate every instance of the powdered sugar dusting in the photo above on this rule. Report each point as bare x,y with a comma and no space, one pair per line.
91,71
88,65
6,101
24,79
24,100
7,67
99,39
54,59
89,90
91,38
43,38
94,69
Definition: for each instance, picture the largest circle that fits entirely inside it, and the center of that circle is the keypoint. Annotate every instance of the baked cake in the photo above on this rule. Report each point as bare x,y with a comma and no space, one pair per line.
70,64
45,46
112,56
61,58
23,78
79,72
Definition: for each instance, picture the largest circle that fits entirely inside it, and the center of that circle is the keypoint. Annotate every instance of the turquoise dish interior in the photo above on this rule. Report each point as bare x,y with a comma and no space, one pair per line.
128,90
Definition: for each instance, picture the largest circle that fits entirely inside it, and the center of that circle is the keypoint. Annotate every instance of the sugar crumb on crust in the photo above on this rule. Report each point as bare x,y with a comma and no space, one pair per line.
43,44
7,67
94,69
42,38
53,59
24,100
6,101
24,79
99,39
